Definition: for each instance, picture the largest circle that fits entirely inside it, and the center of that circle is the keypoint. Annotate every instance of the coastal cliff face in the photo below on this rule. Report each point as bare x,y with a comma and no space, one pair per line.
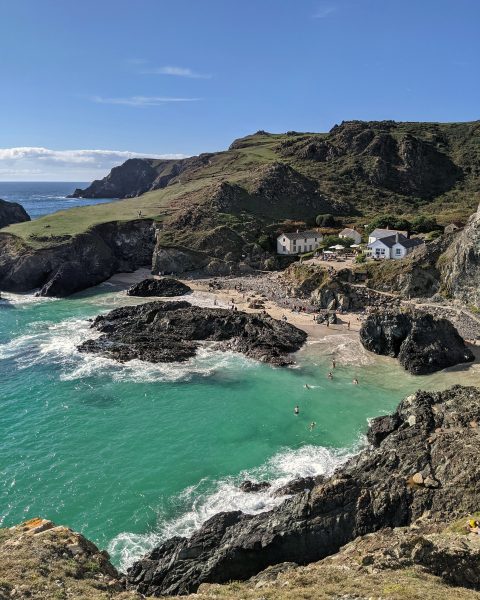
423,465
11,212
460,265
139,175
76,263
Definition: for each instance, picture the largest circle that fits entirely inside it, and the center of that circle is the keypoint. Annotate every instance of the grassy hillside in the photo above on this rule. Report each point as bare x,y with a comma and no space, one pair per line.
356,171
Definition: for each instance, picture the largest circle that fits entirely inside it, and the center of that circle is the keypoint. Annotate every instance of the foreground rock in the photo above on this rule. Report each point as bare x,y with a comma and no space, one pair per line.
12,212
426,464
39,560
166,287
422,343
171,331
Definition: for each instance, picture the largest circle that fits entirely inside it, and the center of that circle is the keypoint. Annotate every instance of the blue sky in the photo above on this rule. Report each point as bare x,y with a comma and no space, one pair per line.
153,77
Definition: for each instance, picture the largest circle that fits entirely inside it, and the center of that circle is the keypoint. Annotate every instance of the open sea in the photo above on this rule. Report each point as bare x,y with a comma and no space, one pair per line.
132,454
41,198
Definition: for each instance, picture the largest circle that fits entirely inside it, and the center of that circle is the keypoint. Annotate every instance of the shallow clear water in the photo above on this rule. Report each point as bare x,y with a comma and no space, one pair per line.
130,454
41,198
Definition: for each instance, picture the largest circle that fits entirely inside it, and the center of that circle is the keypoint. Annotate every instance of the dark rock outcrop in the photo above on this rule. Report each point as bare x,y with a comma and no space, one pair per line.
170,331
427,463
165,287
12,212
78,262
139,175
422,343
248,486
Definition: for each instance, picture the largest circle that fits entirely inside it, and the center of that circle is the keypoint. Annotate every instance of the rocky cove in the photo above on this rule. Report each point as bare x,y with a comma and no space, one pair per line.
394,511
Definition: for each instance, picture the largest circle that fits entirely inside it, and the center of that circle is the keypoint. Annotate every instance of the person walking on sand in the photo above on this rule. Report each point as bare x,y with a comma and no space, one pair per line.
296,410
334,364
348,325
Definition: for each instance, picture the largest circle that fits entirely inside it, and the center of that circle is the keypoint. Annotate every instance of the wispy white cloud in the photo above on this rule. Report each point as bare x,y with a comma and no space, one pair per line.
324,10
176,72
142,101
36,163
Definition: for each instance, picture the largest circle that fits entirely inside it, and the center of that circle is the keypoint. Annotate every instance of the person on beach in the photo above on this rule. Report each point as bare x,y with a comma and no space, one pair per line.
334,364
327,322
296,410
215,303
348,325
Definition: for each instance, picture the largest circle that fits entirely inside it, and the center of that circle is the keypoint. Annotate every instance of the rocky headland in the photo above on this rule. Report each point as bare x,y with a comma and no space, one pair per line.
422,343
172,331
164,287
422,465
12,212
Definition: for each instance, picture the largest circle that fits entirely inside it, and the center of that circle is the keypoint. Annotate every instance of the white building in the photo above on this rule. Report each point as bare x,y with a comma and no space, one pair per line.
393,246
298,242
378,234
352,234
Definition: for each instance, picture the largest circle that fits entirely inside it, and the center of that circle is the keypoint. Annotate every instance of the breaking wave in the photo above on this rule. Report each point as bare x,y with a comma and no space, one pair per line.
196,504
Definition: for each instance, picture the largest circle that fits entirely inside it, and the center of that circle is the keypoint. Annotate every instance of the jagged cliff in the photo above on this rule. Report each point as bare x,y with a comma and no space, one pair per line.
400,507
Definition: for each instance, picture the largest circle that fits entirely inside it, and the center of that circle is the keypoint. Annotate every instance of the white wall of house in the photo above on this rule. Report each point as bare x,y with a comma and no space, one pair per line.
379,250
285,245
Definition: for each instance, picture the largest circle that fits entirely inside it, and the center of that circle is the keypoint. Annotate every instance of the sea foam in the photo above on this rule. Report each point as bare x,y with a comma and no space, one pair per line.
196,504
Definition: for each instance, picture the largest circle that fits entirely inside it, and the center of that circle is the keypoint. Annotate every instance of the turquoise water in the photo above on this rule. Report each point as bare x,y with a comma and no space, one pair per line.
130,454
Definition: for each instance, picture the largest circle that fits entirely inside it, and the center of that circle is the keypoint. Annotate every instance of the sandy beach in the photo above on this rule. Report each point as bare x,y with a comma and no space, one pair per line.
302,320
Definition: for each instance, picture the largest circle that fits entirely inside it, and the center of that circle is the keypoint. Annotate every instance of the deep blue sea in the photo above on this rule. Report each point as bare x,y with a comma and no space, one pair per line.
41,198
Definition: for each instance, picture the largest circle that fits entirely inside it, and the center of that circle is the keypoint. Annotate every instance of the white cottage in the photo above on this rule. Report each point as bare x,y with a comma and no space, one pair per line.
393,247
350,233
298,242
378,234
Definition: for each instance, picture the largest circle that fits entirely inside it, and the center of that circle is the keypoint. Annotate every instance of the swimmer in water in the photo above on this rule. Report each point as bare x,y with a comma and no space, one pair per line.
312,425
330,375
355,381
306,386
296,410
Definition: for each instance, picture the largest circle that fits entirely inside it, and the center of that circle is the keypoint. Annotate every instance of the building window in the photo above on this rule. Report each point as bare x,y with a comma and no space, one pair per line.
284,248
398,251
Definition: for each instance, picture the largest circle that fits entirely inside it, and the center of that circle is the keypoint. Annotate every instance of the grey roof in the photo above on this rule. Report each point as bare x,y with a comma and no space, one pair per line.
301,235
381,233
398,238
347,231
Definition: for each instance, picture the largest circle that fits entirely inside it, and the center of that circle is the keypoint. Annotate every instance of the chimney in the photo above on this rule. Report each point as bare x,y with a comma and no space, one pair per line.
396,237
298,231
